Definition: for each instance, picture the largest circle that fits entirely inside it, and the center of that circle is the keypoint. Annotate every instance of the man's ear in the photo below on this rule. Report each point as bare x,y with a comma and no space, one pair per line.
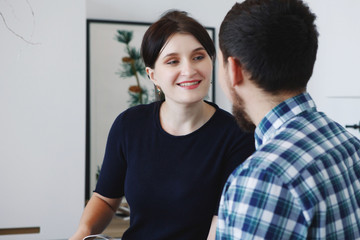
235,72
150,73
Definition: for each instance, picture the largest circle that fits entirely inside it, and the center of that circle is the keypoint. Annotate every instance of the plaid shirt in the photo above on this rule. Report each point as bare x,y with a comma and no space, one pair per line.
303,182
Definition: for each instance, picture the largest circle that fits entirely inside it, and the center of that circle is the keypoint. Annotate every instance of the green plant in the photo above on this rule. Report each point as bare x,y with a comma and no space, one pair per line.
132,66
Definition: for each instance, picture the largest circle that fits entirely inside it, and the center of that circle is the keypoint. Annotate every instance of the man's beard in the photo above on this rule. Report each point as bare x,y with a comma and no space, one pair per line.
242,118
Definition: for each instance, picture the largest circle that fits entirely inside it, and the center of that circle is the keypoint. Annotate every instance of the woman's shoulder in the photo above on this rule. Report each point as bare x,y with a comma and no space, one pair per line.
223,116
219,110
140,110
137,114
223,125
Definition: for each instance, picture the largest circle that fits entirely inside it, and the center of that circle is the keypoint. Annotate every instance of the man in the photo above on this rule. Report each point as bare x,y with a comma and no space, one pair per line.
303,182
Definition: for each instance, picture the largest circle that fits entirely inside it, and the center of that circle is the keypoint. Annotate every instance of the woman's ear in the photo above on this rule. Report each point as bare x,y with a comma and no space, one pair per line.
150,73
235,72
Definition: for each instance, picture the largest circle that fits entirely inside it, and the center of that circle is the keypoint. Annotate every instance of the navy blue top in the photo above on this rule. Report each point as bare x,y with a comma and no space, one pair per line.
172,183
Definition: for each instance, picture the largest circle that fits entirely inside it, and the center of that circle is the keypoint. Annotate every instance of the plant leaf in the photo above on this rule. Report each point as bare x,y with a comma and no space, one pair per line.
124,36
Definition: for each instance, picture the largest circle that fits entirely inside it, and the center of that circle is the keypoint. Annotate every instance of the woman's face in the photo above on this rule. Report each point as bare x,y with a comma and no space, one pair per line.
183,69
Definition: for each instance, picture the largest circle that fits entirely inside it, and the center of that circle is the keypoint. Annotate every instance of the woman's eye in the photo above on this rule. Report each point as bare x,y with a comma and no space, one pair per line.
172,62
198,57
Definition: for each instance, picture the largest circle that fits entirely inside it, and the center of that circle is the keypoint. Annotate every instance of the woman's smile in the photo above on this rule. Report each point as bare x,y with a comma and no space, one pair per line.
189,84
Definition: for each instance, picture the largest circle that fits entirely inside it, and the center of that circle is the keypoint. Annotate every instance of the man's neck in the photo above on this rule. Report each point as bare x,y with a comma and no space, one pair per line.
263,103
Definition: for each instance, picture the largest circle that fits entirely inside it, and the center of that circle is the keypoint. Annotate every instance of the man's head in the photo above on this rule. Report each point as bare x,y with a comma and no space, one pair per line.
274,41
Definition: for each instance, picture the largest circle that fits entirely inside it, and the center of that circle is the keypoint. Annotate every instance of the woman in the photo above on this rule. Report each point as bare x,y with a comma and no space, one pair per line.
171,158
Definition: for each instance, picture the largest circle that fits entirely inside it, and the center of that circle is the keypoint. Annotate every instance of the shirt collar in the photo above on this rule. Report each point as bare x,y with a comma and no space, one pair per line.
286,110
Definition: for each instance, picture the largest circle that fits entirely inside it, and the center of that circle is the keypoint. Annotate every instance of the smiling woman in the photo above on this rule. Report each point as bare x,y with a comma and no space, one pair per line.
170,158
113,53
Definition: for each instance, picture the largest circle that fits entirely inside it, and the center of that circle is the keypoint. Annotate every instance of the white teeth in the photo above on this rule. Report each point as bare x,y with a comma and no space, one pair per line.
188,84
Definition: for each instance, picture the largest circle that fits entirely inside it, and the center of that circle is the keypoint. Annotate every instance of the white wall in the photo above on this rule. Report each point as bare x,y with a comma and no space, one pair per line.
42,116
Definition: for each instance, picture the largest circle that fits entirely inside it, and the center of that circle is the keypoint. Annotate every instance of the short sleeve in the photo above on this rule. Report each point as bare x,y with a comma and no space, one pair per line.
112,175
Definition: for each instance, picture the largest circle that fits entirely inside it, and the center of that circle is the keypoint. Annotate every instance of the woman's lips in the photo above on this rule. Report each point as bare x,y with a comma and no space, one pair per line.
189,84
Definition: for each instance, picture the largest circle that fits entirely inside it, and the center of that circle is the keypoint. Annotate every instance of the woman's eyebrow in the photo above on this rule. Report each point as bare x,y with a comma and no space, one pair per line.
174,53
198,49
170,55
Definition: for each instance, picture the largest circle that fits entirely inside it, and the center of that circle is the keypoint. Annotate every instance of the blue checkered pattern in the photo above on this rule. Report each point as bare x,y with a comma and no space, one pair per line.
303,182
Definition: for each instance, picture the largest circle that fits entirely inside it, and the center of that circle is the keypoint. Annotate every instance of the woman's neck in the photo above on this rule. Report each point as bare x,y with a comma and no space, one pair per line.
180,119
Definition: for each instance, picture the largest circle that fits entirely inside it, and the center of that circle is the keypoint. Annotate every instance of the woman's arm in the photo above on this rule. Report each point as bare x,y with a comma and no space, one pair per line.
212,231
96,216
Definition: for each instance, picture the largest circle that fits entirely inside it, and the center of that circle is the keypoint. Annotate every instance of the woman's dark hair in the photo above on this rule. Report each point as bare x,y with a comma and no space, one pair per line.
276,41
172,22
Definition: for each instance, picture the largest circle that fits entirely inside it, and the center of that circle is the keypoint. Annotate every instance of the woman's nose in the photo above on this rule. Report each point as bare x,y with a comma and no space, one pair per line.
187,69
